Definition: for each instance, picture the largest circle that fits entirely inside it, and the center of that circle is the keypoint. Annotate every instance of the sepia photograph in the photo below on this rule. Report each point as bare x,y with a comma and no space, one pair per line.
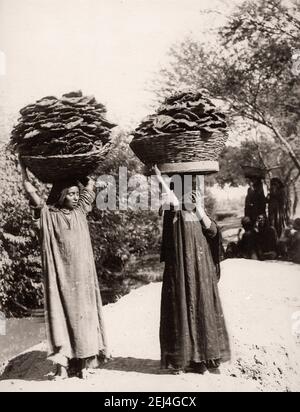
149,198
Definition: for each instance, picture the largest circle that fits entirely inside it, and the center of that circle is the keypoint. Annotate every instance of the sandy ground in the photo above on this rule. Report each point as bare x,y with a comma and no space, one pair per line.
261,302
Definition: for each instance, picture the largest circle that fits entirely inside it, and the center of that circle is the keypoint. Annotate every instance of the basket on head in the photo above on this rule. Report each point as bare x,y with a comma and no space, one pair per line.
49,169
194,148
254,172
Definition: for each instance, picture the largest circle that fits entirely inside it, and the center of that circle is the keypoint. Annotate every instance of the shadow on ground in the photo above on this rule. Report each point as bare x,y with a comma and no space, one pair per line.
29,366
148,366
34,366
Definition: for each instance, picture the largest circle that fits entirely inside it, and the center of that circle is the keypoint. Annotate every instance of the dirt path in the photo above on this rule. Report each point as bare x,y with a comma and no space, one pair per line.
259,300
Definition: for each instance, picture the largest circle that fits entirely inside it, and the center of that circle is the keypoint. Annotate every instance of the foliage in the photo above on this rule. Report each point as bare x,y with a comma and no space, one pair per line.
116,235
230,172
250,71
20,274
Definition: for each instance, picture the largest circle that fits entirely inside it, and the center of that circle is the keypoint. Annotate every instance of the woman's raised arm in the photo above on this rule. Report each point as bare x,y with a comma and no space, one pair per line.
169,197
35,199
87,194
201,213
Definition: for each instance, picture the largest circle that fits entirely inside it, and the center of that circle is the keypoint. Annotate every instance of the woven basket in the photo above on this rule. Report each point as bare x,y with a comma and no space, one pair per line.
54,168
254,171
174,148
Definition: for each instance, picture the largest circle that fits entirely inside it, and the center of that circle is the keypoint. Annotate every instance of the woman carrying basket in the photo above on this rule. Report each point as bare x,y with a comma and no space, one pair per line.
193,334
73,308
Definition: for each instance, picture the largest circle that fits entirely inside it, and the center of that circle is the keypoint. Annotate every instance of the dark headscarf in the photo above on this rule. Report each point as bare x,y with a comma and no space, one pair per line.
59,191
277,181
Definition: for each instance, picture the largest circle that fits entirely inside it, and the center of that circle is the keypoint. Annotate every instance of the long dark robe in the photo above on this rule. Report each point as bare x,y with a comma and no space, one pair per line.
192,326
266,241
247,247
72,297
278,211
255,204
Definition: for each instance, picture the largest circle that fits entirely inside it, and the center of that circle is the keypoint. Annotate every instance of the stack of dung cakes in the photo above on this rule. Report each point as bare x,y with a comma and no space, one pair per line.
62,138
186,134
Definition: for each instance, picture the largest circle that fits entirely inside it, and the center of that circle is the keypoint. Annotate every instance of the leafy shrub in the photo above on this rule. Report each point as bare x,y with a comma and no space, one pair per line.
20,266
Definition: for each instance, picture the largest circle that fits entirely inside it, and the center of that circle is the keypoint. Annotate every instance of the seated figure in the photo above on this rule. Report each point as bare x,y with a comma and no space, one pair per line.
266,239
284,242
294,247
247,244
246,247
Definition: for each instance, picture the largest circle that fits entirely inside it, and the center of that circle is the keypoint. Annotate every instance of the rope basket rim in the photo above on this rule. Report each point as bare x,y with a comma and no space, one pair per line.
179,134
250,167
254,171
68,156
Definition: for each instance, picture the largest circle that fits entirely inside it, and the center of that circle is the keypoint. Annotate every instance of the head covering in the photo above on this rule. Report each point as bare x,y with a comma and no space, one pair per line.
277,181
59,191
296,224
247,223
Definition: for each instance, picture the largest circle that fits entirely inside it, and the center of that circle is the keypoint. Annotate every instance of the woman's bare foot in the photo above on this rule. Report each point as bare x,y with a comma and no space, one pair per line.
83,374
174,370
197,367
61,373
178,371
216,371
213,366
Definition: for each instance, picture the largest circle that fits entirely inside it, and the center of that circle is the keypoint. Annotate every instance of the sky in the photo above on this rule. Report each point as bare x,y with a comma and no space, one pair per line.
108,48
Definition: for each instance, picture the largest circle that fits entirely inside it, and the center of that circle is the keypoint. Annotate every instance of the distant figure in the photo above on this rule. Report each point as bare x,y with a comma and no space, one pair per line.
294,250
247,244
284,243
231,251
246,247
266,239
255,202
278,210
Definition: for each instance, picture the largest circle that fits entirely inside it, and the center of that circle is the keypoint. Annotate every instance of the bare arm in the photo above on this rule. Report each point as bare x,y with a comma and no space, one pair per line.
87,194
169,195
35,199
205,220
202,216
161,180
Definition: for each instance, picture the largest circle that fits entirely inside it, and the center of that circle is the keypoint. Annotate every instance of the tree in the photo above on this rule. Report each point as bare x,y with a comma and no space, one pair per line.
250,71
261,38
230,168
